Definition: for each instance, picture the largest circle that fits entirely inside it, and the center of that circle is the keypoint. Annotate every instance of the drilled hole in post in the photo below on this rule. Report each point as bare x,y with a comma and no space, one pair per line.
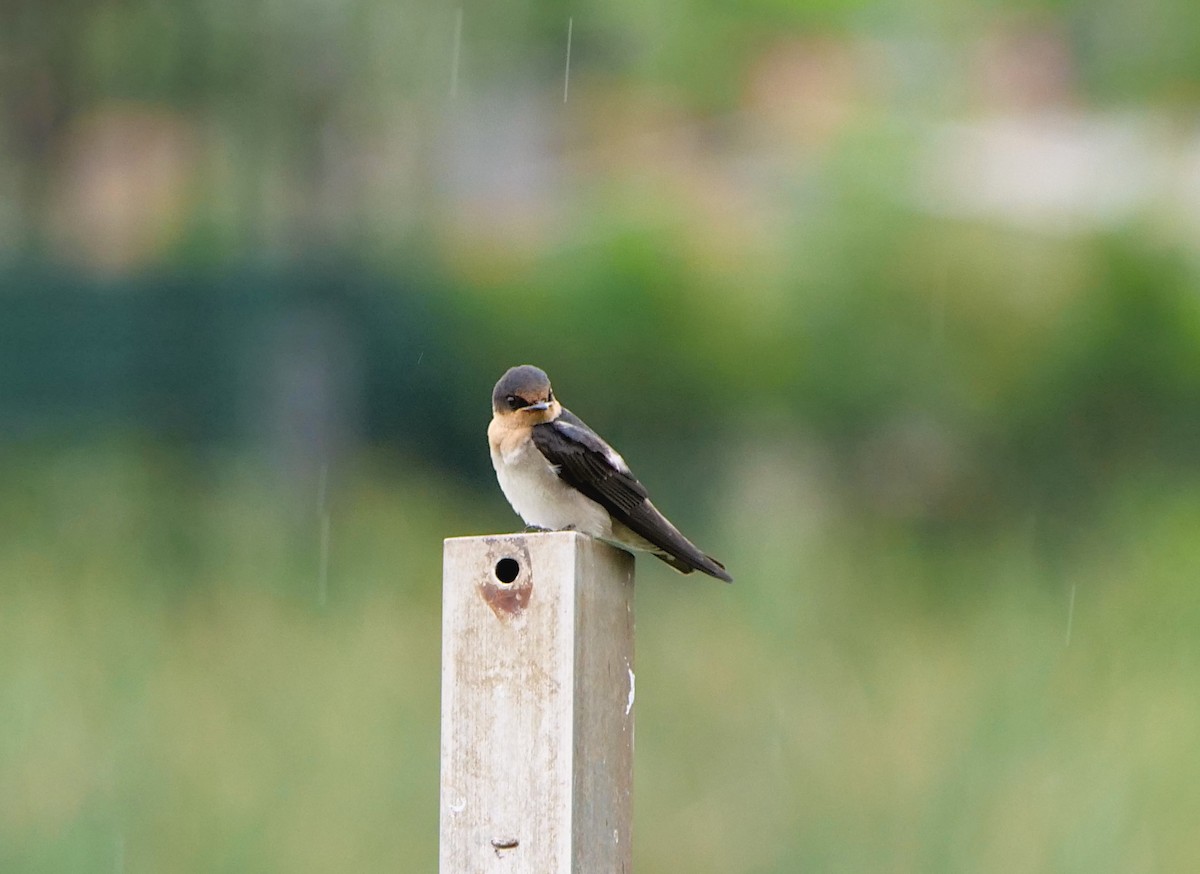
507,570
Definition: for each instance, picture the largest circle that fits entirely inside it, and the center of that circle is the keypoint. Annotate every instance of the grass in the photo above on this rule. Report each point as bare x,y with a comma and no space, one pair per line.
174,696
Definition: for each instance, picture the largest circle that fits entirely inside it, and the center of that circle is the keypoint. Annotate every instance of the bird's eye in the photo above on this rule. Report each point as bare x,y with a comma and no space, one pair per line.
550,396
515,403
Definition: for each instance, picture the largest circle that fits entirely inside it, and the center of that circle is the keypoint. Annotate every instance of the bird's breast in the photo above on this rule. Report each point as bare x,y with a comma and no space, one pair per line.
533,488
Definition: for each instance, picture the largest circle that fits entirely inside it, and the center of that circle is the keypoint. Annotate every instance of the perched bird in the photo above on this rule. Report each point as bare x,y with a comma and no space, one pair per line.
558,474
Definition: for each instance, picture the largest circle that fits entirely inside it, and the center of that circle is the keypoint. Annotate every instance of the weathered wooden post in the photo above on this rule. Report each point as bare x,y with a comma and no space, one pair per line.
537,705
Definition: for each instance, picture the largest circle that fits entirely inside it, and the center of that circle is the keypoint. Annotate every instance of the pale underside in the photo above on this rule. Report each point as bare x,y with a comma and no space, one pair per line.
533,488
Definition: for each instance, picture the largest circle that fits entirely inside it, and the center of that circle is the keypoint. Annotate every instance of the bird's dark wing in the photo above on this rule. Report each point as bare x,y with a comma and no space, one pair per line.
587,463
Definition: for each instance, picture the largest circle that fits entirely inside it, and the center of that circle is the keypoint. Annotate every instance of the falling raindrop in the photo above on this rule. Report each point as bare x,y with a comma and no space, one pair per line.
938,322
458,20
567,73
323,556
1070,614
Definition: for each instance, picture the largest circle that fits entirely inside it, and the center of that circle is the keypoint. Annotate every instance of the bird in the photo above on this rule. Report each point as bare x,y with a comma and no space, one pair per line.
560,475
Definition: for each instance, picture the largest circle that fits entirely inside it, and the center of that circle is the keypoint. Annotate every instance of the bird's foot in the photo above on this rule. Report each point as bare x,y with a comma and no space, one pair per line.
535,529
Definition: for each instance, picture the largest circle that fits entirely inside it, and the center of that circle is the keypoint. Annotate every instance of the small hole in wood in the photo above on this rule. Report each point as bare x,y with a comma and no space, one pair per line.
507,570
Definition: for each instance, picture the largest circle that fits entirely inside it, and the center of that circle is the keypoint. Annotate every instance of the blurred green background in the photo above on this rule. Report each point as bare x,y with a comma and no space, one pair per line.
895,307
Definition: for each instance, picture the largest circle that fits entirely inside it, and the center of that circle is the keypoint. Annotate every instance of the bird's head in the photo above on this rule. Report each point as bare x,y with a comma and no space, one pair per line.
524,393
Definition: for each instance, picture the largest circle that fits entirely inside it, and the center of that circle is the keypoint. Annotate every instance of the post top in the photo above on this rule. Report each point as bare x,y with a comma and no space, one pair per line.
516,535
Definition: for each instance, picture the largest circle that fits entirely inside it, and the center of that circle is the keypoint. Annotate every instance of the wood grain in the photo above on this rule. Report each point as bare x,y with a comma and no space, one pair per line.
537,705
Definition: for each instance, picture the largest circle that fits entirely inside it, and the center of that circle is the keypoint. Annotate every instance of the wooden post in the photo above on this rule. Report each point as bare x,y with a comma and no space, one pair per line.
537,705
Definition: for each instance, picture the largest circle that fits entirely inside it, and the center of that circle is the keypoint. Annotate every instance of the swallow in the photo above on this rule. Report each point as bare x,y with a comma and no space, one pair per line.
560,475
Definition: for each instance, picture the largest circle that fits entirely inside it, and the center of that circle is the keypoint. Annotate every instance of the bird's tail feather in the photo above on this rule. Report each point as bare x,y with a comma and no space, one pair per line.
705,563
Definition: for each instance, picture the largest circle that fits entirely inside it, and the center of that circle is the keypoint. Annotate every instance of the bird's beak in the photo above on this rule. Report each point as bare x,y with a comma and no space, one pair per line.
543,405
